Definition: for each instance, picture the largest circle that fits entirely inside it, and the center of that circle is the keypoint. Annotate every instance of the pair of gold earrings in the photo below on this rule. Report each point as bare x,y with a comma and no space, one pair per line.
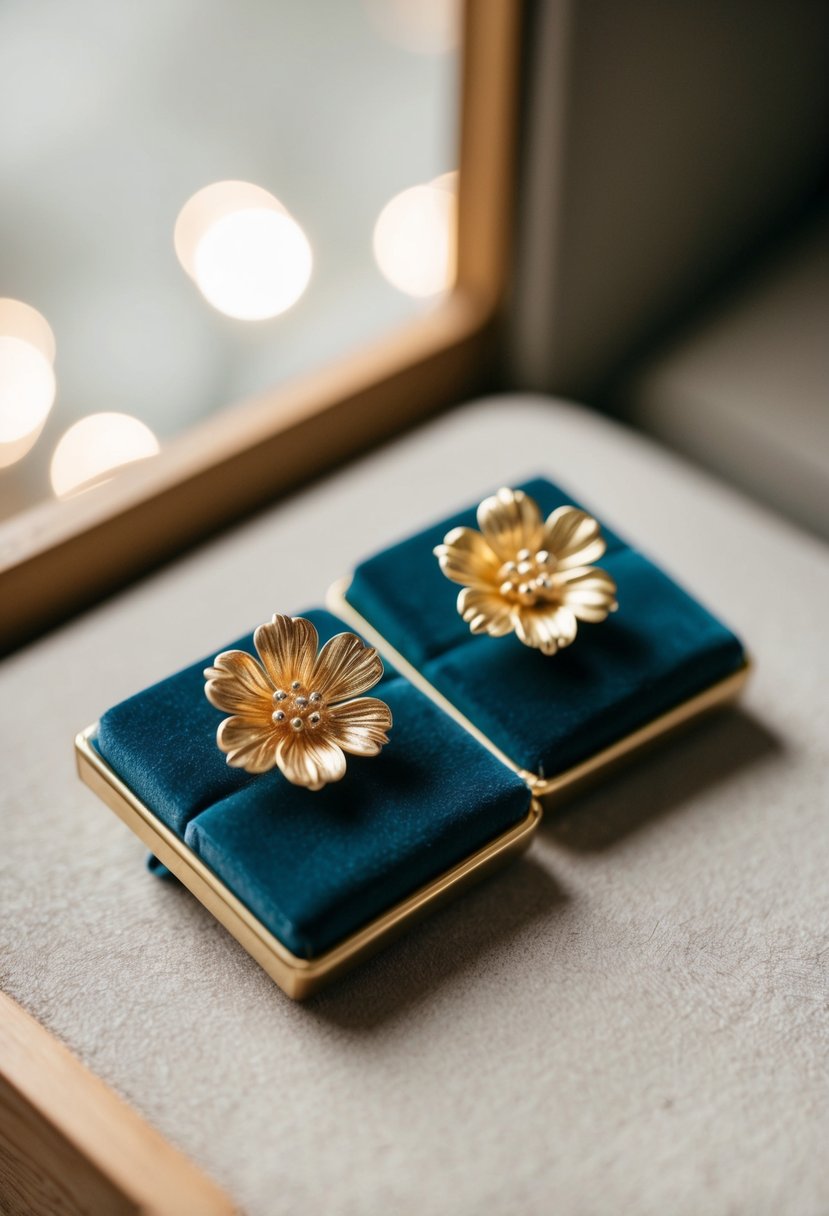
302,709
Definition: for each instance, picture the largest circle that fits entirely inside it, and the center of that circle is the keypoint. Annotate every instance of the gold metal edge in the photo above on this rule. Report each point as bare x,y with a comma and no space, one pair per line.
710,698
578,775
337,603
297,977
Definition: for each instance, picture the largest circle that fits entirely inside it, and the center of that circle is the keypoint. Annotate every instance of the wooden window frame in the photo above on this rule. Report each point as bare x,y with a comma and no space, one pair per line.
58,558
69,1144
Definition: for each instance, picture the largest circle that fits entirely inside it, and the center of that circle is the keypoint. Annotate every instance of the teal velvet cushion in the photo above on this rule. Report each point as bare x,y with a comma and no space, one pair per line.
313,867
548,713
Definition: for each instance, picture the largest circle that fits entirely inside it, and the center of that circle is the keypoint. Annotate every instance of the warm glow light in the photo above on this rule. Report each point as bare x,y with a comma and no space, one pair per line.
16,449
27,388
93,448
19,320
249,258
414,238
428,27
27,381
253,264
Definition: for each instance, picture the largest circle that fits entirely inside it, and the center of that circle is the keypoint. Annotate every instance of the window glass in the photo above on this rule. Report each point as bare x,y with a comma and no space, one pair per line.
201,200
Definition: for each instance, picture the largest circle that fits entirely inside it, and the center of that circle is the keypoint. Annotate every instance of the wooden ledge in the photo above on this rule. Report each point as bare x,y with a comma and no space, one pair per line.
68,1144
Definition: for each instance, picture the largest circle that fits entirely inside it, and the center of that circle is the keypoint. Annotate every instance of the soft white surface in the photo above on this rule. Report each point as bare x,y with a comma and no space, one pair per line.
631,1019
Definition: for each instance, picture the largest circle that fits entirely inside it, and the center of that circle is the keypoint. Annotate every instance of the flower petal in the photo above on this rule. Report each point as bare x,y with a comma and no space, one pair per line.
465,557
546,628
310,762
345,667
566,626
573,537
248,744
360,726
287,647
510,521
238,685
588,591
485,612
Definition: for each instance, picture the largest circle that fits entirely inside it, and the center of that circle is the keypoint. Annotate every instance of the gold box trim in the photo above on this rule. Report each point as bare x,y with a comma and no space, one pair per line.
566,783
297,977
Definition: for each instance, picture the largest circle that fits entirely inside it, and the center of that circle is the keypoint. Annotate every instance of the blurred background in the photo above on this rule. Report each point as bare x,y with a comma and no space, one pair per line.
201,200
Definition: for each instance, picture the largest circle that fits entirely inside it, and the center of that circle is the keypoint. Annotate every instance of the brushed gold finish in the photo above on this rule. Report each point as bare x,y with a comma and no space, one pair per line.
562,785
297,977
526,575
298,710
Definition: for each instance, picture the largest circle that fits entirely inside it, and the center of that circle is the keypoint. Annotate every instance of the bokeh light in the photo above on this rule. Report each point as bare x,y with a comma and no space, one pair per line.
249,258
92,450
13,450
415,238
426,27
27,379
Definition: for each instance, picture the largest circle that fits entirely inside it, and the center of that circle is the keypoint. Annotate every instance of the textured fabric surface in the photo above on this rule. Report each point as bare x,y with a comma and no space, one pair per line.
404,594
546,714
632,1018
156,742
314,866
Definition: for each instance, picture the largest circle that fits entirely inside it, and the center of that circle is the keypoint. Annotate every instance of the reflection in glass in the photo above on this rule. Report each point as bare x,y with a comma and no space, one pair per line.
92,449
27,381
414,238
427,27
122,113
248,256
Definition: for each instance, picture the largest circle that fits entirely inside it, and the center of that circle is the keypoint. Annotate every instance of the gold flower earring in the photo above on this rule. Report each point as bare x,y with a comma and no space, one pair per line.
298,710
524,574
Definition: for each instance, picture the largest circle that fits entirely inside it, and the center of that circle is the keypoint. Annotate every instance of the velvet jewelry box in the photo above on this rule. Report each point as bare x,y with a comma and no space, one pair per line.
310,882
656,663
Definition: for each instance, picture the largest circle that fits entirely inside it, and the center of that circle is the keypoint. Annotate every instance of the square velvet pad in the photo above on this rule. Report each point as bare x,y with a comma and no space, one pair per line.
314,867
548,713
